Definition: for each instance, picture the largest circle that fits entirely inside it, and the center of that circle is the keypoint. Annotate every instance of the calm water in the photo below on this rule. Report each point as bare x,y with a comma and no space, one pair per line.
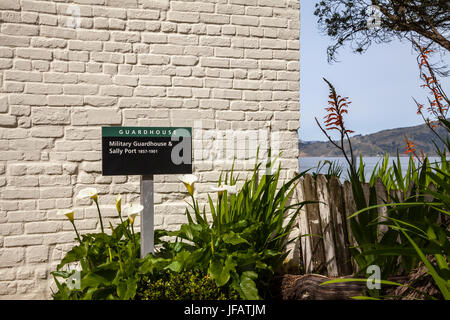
369,163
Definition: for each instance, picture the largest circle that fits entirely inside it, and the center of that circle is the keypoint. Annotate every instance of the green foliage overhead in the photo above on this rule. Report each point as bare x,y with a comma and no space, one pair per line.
345,21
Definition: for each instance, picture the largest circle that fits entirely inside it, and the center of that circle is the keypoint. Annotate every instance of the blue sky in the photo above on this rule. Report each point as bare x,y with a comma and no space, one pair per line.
380,82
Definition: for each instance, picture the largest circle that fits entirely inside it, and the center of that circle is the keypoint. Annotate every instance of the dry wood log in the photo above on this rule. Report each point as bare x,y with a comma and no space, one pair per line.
307,287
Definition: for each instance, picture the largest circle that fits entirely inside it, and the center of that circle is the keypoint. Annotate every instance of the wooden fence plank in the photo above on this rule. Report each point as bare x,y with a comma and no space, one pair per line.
411,188
326,223
326,251
292,260
317,251
382,197
350,208
337,207
366,189
428,197
305,240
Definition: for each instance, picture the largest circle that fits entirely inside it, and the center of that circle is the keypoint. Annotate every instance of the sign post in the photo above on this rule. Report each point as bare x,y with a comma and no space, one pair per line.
147,216
146,151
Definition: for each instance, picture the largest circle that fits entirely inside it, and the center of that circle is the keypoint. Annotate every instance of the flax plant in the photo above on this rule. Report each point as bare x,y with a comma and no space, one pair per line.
417,207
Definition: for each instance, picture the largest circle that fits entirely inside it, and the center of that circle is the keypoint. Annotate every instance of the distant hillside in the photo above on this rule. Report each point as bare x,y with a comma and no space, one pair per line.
378,143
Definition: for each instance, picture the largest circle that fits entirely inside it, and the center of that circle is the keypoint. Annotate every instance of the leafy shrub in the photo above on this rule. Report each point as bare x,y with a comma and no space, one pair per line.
247,237
109,266
239,250
188,285
417,222
410,208
334,169
417,229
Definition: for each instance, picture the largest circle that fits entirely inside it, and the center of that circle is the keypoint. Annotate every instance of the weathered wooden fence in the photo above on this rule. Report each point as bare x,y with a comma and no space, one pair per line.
324,230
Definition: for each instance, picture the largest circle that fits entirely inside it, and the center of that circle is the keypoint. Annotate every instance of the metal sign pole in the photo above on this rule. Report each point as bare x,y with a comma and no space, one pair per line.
147,215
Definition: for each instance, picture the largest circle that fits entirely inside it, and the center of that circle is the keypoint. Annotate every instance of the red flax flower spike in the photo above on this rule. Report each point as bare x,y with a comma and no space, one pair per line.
438,102
411,148
338,106
334,120
438,105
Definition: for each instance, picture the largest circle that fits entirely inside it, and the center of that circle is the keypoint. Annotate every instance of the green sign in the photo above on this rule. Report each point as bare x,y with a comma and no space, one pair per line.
146,150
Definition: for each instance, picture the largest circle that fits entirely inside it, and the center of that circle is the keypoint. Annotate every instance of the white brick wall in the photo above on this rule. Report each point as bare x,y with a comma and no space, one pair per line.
233,64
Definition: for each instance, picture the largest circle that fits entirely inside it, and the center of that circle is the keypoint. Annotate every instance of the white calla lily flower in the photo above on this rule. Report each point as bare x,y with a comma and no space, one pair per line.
132,217
88,193
224,187
189,180
220,188
69,213
119,203
231,189
132,210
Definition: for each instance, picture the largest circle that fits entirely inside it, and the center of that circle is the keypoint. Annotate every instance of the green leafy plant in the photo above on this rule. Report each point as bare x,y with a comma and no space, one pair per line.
109,263
245,242
418,205
418,231
334,169
418,213
188,285
239,250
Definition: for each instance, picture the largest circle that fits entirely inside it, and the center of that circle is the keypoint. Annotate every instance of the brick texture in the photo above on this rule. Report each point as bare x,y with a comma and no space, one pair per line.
230,64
